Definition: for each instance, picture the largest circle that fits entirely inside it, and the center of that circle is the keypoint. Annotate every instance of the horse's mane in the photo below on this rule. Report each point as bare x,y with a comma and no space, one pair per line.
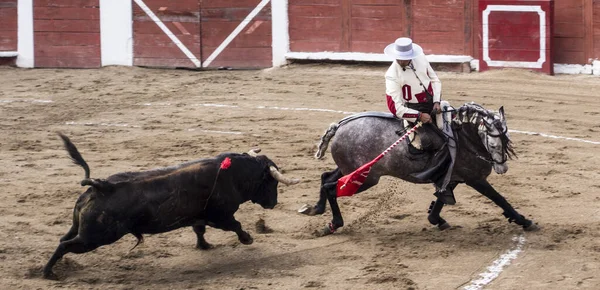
473,113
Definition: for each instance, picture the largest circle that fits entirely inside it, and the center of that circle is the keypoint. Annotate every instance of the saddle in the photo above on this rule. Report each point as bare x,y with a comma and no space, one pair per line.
435,143
414,139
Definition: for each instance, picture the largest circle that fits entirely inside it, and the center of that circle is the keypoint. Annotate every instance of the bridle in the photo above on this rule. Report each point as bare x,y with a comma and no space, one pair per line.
473,113
502,133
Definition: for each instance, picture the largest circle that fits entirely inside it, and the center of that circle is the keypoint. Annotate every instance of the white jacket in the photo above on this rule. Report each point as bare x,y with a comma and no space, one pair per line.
402,86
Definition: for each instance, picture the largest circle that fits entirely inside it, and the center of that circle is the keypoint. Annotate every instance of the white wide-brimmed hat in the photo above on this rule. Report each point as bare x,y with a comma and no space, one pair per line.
403,48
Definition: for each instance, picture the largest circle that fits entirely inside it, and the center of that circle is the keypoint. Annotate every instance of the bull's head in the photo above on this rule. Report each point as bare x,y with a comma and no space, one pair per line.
268,197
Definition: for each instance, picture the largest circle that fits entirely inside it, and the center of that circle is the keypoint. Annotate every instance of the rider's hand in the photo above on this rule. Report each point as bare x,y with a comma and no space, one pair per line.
436,108
425,118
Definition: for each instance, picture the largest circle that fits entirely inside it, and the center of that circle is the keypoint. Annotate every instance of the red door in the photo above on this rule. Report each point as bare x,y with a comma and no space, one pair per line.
166,33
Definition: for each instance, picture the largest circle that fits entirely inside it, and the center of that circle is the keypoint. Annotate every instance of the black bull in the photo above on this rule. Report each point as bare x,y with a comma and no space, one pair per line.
197,193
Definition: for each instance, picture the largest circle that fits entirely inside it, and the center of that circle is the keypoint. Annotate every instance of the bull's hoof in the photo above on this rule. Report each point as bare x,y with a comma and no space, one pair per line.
50,275
531,228
247,241
443,226
204,246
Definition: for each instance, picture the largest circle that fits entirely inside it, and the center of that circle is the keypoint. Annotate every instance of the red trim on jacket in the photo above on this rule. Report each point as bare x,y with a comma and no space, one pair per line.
410,115
391,104
430,88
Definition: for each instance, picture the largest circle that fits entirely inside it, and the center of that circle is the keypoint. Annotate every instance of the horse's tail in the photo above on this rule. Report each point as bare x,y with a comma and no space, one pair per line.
325,140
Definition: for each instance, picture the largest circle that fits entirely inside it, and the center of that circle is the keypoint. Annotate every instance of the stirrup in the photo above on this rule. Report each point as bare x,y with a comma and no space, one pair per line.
446,196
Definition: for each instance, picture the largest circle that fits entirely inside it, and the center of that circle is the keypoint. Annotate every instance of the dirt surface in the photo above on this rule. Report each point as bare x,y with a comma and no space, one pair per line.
125,119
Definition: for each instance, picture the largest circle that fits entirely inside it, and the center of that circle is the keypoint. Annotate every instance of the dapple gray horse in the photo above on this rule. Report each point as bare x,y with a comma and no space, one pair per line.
483,143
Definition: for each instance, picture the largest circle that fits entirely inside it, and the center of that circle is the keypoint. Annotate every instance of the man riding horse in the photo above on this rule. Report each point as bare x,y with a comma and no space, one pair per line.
413,92
474,137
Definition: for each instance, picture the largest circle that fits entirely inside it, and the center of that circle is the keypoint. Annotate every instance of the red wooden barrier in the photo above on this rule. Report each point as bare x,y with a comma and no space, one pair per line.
8,25
67,33
516,33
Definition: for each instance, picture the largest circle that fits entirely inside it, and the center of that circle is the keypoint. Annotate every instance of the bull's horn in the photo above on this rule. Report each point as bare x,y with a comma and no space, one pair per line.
254,152
279,177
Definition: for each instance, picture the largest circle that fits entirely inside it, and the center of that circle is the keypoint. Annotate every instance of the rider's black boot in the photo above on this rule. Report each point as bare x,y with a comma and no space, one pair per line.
446,196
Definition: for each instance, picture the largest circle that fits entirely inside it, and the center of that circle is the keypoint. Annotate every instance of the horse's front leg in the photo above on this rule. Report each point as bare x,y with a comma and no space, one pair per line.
485,188
435,209
434,217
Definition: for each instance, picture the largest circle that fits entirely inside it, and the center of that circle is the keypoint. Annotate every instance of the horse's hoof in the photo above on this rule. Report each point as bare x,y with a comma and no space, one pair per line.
443,226
432,220
328,230
205,246
307,210
322,233
532,228
50,276
311,210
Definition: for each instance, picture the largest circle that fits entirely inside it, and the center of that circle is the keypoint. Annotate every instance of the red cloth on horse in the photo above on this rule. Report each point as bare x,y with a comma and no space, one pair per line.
347,185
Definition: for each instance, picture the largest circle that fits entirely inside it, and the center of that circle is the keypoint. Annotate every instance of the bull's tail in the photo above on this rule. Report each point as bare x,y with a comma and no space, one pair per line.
140,239
325,140
75,155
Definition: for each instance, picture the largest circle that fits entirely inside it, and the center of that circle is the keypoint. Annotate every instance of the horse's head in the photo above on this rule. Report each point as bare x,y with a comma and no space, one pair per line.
494,135
493,132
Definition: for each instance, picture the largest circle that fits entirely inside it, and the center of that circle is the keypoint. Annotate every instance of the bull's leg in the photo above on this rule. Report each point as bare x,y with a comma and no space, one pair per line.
230,224
483,187
76,245
74,228
326,177
201,243
71,233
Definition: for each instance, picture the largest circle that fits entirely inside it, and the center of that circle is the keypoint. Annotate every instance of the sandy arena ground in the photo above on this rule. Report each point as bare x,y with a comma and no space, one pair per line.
125,119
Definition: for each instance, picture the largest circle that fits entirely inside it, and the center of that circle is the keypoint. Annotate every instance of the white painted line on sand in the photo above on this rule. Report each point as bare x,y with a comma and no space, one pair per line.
137,126
101,124
157,104
215,105
26,101
554,136
497,266
350,113
305,109
192,105
216,132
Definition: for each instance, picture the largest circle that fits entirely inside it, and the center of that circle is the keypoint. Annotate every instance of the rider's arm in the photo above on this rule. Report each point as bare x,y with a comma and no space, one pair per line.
395,102
436,84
